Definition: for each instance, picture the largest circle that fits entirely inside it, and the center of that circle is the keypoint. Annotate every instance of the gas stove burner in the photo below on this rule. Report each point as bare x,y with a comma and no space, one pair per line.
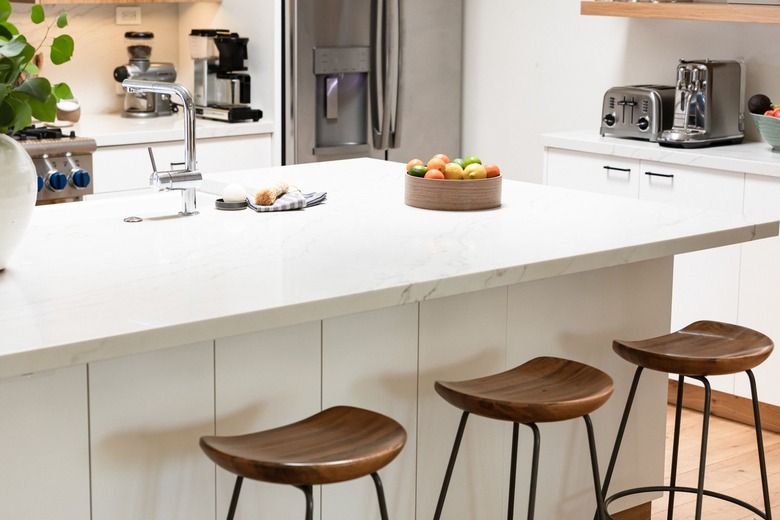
33,133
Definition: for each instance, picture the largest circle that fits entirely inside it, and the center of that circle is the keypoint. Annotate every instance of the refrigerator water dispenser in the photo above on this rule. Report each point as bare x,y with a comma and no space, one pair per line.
342,99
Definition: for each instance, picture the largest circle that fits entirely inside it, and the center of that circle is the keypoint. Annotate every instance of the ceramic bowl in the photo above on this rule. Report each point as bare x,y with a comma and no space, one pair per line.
452,195
769,128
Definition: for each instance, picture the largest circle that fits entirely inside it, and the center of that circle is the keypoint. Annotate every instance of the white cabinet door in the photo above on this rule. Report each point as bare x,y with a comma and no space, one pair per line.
147,413
120,168
759,296
44,446
592,172
263,380
461,337
706,283
370,361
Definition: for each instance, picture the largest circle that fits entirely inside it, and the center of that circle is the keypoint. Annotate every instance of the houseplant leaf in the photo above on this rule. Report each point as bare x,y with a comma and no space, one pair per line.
44,110
62,91
37,88
61,49
62,20
37,15
5,10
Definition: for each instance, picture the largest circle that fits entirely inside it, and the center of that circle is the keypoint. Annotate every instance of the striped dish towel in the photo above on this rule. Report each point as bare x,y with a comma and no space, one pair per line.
293,199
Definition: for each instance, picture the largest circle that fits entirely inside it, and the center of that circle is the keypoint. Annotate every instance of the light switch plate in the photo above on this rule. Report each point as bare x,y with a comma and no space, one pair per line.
128,15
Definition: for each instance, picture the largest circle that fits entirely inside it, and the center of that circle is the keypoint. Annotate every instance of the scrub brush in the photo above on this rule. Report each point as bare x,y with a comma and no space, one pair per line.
267,196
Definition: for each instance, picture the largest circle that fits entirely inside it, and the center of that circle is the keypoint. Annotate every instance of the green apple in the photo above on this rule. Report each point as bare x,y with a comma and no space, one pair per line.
471,159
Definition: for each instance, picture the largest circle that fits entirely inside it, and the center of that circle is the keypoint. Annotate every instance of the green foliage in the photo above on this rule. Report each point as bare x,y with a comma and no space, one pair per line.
23,94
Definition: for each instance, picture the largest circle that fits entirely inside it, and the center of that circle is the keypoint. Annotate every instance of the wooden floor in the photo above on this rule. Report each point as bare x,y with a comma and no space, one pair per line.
732,468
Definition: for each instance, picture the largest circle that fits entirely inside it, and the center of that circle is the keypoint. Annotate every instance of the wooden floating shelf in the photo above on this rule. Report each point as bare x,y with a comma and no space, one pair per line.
684,11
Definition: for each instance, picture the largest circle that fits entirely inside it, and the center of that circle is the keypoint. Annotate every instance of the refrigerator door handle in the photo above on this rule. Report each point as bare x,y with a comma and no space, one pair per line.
380,101
393,90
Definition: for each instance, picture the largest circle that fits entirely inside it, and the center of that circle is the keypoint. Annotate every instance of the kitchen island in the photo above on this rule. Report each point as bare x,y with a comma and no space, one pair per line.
125,342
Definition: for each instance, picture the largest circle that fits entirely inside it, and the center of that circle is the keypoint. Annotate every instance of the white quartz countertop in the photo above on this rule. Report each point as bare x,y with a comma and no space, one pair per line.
114,130
755,157
84,285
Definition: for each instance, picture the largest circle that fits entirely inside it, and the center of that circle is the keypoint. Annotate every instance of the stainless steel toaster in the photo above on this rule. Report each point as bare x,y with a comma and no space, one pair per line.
638,111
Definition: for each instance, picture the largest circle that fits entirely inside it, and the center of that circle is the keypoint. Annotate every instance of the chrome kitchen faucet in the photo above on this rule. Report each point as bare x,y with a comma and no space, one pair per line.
188,179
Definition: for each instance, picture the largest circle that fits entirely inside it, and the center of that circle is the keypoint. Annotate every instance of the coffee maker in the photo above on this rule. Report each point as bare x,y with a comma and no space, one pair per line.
222,88
708,104
148,104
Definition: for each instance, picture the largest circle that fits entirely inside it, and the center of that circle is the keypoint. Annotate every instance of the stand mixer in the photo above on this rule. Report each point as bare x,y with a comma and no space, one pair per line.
140,67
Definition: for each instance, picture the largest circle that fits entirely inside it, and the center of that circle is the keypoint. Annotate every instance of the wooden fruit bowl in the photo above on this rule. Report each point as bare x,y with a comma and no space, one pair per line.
452,195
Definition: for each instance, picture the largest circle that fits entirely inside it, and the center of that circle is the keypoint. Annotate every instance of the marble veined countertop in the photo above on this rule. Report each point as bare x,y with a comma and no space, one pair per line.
752,157
84,285
113,129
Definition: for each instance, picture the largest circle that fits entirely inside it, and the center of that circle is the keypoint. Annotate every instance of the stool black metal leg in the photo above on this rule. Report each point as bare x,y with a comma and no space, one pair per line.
534,471
760,443
234,498
601,509
705,427
621,430
450,466
513,472
675,446
380,493
307,490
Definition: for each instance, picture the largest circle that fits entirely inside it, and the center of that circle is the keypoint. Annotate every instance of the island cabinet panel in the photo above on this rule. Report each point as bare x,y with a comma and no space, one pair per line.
147,413
264,380
759,296
44,446
592,172
128,167
370,361
461,337
577,317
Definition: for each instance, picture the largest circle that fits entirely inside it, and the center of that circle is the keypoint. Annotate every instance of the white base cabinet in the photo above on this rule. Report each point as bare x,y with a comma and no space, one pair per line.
128,167
44,446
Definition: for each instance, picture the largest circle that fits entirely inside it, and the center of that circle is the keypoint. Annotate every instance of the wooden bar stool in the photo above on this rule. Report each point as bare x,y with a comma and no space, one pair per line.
335,445
704,348
545,389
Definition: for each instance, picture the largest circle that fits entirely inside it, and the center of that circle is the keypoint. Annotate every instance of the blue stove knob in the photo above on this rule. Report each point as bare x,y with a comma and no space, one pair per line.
57,181
80,178
40,183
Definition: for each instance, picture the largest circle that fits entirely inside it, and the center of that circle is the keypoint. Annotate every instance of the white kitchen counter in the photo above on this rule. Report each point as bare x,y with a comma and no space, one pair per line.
85,286
113,129
130,340
755,157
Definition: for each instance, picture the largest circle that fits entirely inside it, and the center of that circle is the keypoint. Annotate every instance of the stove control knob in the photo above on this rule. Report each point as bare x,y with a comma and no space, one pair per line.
80,178
56,181
40,183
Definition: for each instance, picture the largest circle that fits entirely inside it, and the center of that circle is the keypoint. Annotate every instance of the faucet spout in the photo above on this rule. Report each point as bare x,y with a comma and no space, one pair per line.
188,179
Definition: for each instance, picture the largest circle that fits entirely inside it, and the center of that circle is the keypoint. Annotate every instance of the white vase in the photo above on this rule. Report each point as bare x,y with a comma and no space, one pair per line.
18,191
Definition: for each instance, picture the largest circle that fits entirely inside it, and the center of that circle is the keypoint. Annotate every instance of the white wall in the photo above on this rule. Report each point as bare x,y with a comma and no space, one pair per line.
100,47
535,66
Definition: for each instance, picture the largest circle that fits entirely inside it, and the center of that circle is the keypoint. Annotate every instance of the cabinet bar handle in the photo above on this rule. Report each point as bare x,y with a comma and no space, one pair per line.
665,175
610,168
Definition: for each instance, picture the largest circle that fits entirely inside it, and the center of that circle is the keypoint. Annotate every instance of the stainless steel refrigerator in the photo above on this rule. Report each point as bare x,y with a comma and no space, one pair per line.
371,78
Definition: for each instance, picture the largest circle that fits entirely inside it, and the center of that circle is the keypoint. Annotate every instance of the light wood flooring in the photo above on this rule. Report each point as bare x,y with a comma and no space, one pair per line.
732,468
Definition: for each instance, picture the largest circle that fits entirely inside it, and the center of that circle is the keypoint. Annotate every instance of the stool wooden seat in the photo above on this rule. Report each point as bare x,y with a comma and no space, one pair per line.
544,389
338,444
701,349
704,348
